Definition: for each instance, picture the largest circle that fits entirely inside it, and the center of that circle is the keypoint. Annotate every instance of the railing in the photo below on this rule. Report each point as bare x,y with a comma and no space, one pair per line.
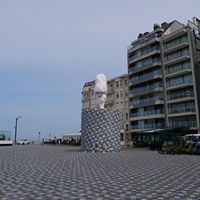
144,88
143,64
142,126
157,72
145,100
174,56
178,68
146,51
182,109
181,95
150,112
180,81
168,45
146,39
184,124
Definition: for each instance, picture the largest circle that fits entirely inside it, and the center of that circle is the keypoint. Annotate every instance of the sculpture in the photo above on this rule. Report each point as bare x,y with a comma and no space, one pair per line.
100,128
100,90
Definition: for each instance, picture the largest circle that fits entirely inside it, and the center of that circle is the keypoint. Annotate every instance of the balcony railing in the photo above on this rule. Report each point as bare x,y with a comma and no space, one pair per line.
174,56
182,109
143,126
143,64
178,68
184,124
181,95
150,112
158,72
146,51
145,100
180,81
169,45
146,39
144,88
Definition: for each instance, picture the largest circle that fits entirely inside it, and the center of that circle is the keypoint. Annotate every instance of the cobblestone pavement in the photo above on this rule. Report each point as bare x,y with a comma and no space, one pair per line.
63,172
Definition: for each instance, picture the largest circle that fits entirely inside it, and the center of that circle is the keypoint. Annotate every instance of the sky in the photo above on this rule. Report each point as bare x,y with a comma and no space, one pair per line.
50,48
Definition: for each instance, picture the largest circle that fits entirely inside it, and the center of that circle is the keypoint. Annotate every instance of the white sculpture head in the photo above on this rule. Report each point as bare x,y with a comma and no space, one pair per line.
100,90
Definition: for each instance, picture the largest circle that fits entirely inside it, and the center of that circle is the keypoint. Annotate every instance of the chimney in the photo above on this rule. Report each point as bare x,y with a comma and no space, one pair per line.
140,35
164,25
156,26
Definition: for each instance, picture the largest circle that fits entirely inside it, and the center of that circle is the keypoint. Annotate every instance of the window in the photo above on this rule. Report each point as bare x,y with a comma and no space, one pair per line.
121,94
126,116
121,105
117,84
117,95
121,83
111,87
125,82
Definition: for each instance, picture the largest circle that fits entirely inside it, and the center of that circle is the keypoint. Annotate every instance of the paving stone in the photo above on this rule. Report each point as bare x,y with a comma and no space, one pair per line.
64,172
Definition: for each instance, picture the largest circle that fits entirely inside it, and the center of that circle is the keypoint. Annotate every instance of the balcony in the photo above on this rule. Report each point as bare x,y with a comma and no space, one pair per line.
179,83
146,102
85,99
147,115
181,110
175,34
145,77
110,91
151,112
178,72
144,65
182,95
177,47
184,124
109,101
143,42
177,60
145,126
136,59
146,89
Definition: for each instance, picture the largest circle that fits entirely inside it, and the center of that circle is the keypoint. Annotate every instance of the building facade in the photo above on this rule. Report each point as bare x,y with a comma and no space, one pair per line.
117,98
164,77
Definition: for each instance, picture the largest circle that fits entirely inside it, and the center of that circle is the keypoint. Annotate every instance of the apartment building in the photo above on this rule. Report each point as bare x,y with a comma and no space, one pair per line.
117,98
164,77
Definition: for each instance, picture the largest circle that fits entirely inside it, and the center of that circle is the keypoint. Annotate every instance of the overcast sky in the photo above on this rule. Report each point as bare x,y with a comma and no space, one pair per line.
50,48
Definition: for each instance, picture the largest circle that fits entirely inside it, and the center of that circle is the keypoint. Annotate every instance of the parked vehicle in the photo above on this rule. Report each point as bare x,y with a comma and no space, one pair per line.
23,141
192,137
50,141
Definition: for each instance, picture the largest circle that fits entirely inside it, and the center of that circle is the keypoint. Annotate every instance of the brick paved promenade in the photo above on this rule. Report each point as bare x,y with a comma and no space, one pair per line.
63,172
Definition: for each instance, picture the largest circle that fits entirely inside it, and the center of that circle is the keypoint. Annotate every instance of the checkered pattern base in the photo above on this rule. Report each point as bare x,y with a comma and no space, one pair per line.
100,130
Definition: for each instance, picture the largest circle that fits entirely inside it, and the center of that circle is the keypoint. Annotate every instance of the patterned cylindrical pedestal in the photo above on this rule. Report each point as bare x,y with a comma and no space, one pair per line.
100,130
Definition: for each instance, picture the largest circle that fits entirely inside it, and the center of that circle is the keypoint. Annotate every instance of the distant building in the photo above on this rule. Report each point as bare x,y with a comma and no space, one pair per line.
117,98
72,137
164,77
5,138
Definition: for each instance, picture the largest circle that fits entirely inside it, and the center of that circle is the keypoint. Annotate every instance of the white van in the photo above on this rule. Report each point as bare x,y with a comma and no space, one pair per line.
191,137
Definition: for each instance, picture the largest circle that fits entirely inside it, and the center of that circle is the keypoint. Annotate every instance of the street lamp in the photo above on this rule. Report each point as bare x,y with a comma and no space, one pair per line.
16,128
39,137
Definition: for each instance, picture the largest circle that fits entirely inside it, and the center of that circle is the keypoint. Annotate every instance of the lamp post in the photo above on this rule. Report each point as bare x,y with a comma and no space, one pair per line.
16,128
39,137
